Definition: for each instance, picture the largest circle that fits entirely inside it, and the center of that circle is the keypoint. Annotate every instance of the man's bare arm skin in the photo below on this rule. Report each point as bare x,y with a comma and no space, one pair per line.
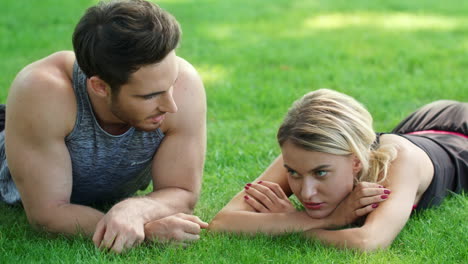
41,112
177,166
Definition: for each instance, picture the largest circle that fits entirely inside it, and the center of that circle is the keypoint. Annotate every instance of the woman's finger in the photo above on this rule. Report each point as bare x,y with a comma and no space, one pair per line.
366,210
275,188
267,192
369,192
257,206
259,196
365,201
368,185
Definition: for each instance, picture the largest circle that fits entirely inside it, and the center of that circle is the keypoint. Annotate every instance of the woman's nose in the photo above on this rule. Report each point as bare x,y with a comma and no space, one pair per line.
309,188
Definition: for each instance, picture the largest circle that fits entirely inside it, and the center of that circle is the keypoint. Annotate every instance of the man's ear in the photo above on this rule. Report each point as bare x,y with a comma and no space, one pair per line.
99,87
357,165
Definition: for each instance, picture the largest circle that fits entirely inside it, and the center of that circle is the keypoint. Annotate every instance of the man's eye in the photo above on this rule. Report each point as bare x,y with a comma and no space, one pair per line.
321,173
148,97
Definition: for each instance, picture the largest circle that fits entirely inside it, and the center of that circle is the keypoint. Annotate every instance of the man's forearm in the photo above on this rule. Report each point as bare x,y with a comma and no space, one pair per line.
68,219
159,204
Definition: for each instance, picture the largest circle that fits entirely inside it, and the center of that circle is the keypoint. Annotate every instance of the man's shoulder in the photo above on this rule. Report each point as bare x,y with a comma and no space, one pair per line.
51,71
188,74
44,87
189,82
186,67
189,95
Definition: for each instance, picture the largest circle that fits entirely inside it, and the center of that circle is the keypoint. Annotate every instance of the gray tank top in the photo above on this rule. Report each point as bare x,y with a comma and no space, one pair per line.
106,168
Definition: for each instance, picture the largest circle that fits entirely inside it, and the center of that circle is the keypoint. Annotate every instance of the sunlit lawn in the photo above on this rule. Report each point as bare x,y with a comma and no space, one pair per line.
256,57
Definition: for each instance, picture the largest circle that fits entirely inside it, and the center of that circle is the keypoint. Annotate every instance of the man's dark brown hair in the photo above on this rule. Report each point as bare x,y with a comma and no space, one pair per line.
115,38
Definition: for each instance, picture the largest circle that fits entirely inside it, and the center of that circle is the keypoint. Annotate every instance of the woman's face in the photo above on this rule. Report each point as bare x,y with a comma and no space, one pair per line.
319,180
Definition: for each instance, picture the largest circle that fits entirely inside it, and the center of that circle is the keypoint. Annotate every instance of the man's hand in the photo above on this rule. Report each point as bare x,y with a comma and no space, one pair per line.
119,230
267,197
364,199
177,228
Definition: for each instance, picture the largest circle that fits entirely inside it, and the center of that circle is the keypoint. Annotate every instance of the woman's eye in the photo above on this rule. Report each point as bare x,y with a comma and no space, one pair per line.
321,173
292,173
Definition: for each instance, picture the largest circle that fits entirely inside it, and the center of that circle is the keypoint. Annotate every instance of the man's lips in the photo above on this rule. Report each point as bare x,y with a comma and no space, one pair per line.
313,206
157,119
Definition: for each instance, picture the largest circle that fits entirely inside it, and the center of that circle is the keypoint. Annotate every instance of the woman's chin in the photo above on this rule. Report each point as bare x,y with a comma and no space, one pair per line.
318,214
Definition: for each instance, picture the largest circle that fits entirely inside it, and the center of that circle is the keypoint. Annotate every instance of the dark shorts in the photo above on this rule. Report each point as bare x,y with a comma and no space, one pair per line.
448,152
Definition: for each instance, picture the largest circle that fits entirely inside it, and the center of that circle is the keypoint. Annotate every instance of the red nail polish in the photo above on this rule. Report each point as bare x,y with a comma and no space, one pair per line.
375,205
384,196
246,187
249,184
246,197
387,191
260,182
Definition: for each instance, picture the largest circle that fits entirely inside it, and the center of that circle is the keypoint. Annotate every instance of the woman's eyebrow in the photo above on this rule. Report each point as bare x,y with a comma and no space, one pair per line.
319,167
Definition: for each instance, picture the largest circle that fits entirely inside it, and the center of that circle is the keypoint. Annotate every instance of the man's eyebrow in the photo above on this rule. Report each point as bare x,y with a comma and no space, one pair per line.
150,94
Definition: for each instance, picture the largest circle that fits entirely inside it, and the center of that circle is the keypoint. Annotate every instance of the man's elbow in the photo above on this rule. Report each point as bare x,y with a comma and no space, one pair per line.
45,219
192,201
43,223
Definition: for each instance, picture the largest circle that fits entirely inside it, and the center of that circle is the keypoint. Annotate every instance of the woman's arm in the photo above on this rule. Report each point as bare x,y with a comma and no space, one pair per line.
239,216
266,208
411,167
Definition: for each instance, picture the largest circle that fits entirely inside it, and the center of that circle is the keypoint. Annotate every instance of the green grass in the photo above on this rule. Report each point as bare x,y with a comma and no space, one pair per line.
256,57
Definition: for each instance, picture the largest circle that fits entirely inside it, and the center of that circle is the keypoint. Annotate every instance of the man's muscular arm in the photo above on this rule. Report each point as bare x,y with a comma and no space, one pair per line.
177,172
41,112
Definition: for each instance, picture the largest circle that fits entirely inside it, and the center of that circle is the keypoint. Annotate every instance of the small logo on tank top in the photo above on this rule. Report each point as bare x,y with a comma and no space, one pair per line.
140,162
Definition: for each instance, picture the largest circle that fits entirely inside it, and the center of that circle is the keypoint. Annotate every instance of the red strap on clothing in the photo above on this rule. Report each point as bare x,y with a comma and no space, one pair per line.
437,132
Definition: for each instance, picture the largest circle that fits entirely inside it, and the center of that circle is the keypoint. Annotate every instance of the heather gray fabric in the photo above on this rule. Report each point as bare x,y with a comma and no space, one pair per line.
106,168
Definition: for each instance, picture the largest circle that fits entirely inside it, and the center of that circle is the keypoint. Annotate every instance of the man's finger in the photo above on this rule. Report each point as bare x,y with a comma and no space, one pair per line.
194,219
190,237
99,234
108,240
191,227
119,243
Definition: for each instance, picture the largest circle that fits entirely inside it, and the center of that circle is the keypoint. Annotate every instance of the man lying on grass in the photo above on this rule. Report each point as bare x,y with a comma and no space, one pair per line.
91,127
336,166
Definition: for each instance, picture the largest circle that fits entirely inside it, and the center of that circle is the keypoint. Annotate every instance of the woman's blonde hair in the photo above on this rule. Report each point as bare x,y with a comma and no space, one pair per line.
331,122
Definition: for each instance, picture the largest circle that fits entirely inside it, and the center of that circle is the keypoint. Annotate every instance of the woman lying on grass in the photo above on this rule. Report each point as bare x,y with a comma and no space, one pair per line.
336,165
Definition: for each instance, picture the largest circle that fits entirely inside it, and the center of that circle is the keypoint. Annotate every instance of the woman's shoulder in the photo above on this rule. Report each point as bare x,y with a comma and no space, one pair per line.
401,144
409,156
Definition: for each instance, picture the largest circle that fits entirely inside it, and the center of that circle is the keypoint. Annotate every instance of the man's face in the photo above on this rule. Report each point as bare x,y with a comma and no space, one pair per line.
144,101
